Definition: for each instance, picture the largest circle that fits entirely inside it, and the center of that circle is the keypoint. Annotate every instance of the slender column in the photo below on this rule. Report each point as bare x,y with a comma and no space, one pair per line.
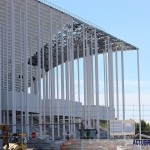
139,94
91,71
52,81
73,93
43,74
84,77
21,49
96,83
53,92
47,88
26,68
122,69
111,84
106,85
0,80
50,67
58,113
13,66
88,82
70,63
7,63
78,66
123,96
67,80
31,78
39,70
117,89
62,72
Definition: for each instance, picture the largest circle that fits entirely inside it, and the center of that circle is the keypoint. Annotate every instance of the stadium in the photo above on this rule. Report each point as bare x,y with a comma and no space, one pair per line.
44,52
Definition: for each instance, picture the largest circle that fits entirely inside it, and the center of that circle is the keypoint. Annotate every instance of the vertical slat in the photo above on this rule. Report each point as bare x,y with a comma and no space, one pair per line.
39,70
0,80
96,82
7,62
22,104
57,85
139,92
62,71
117,89
13,66
26,68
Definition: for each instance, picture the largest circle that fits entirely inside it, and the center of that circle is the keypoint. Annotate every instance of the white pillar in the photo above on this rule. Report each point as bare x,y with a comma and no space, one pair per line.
26,69
52,78
7,113
88,91
122,73
117,89
43,74
111,79
50,67
21,51
13,66
139,94
123,96
58,113
78,67
67,79
39,70
31,78
84,77
73,93
106,84
0,81
96,83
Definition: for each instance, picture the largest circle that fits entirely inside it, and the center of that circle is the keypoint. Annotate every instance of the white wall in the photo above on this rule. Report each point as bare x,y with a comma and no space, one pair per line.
33,101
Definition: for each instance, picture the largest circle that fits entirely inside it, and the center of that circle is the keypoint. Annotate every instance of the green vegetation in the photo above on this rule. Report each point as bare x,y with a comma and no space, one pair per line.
145,127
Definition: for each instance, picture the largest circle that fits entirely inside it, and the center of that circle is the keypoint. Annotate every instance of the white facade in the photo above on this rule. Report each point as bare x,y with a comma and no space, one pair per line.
31,32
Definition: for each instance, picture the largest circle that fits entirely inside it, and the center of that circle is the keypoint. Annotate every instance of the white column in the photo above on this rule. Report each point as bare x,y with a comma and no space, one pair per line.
88,82
67,80
73,93
84,76
50,67
26,69
13,66
39,71
43,74
106,84
122,73
7,63
117,89
47,87
123,96
91,71
0,81
53,94
31,78
78,66
58,113
21,49
139,94
52,79
96,83
111,79
62,72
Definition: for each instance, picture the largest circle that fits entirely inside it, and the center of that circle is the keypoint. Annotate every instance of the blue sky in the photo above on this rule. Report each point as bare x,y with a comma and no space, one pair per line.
129,21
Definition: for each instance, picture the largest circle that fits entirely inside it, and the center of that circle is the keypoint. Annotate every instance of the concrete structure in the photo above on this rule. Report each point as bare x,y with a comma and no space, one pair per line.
38,47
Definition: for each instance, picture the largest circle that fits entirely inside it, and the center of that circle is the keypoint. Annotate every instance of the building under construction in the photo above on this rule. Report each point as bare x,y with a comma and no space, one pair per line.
50,68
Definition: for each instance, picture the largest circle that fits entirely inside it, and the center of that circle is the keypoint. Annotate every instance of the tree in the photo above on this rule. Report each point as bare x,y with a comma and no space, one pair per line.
145,127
